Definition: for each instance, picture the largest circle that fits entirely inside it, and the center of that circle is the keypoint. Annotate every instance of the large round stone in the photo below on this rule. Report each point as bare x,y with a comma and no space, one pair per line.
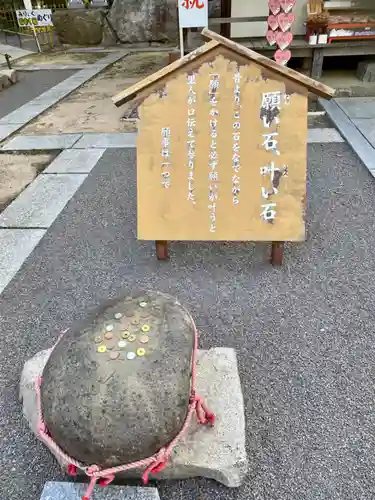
105,404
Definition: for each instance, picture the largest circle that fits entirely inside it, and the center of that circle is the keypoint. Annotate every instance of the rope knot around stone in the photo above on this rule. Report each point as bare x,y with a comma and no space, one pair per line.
152,465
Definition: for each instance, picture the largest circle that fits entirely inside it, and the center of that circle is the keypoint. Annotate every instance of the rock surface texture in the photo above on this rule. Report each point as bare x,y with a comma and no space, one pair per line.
79,26
137,21
217,453
116,388
7,78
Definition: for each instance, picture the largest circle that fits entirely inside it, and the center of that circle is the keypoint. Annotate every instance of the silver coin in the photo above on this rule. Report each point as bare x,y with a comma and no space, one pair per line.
118,316
109,328
131,355
122,344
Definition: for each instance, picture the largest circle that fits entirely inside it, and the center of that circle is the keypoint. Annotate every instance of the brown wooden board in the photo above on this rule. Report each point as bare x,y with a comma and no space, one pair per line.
233,126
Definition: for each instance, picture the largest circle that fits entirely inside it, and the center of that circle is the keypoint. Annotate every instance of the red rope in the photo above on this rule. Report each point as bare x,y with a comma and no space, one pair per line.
153,464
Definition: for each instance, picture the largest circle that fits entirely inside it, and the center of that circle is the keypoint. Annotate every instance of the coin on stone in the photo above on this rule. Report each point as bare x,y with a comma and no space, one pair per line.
131,355
118,316
102,348
141,352
125,334
143,304
145,328
108,336
135,321
144,339
132,338
98,339
114,355
122,344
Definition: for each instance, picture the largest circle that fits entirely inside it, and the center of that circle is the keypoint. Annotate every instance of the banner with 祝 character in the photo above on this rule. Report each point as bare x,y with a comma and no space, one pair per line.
193,13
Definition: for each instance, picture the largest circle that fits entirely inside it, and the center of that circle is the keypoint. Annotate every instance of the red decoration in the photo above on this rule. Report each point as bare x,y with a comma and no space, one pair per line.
274,6
285,21
284,39
271,37
282,57
273,23
287,5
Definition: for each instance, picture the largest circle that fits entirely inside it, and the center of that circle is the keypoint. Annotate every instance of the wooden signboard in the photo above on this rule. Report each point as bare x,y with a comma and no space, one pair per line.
221,150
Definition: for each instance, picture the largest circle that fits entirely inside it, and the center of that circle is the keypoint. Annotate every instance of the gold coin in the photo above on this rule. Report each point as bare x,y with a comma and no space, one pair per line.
98,339
108,336
141,352
114,355
145,328
132,338
125,334
135,321
144,339
102,348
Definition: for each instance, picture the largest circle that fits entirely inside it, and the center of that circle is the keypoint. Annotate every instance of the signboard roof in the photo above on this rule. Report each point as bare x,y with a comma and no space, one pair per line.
312,85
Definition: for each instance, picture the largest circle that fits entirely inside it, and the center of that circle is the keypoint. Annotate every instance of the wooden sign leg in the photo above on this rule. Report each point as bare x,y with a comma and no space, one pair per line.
162,250
277,253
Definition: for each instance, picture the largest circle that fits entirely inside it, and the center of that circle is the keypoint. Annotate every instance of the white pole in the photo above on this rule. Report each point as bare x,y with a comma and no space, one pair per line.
36,38
182,41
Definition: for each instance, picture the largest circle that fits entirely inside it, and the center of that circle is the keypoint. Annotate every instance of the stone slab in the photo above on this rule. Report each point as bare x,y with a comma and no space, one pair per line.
24,114
75,161
16,245
324,135
357,107
366,71
41,142
350,132
7,130
41,202
53,67
367,128
54,490
115,140
214,452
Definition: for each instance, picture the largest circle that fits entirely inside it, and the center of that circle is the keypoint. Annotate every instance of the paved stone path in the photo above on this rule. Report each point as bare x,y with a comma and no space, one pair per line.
9,124
303,333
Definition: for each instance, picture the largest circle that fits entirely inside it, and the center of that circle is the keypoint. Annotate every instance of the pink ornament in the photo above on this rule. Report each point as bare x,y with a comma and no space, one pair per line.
271,37
282,57
274,6
287,5
273,23
283,39
285,21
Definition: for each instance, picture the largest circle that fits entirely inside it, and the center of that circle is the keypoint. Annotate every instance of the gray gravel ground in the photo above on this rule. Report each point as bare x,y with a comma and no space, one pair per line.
30,84
304,332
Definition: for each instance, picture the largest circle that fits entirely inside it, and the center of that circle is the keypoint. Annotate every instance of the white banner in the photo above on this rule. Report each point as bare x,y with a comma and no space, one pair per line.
36,17
193,13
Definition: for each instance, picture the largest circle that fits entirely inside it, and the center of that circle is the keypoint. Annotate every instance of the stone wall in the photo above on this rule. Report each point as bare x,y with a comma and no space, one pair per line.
79,26
134,21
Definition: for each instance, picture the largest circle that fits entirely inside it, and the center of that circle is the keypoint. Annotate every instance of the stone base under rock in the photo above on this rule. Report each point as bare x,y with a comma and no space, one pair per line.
216,453
75,491
7,78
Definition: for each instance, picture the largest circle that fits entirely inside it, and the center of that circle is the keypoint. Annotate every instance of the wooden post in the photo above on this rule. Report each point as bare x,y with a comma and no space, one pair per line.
277,253
226,11
317,64
162,250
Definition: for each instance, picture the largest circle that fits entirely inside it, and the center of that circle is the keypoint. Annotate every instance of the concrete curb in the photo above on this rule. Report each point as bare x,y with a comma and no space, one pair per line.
26,220
350,132
119,140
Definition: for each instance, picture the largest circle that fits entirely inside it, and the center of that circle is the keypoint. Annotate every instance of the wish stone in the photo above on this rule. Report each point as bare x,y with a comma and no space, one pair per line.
101,407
